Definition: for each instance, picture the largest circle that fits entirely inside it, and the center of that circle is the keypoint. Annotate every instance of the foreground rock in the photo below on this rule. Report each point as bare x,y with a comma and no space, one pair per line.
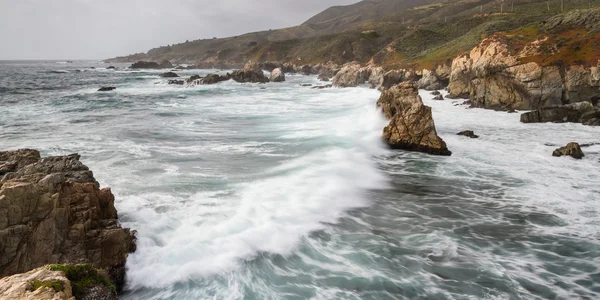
468,133
169,75
277,75
250,73
106,89
411,124
582,112
571,149
165,64
53,211
58,282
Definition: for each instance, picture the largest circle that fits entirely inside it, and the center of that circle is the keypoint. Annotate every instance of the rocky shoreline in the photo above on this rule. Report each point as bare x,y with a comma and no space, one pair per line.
52,211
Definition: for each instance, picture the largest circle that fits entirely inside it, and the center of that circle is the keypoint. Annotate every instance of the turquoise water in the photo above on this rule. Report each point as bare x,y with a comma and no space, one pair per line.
278,191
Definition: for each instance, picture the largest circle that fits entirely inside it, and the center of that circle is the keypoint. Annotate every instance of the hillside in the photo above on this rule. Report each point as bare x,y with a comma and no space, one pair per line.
385,32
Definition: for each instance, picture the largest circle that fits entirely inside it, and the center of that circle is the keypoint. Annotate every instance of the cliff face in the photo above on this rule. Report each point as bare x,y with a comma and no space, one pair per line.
495,75
53,211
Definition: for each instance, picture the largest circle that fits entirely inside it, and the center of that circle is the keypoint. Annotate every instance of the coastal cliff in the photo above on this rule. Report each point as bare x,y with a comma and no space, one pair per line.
52,211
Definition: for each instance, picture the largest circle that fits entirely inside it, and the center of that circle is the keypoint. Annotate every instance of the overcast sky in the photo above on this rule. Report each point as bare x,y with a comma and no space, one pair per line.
97,29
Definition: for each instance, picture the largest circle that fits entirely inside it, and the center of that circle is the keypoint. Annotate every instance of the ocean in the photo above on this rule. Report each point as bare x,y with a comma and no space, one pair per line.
280,191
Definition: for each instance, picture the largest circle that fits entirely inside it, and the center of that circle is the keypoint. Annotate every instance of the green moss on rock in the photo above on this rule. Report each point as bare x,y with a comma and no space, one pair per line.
83,277
56,285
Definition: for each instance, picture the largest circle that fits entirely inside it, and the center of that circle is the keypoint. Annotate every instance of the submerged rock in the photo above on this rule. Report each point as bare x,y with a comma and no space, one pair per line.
320,87
571,149
277,75
55,212
169,75
106,89
111,68
438,97
176,82
435,93
411,124
468,133
250,73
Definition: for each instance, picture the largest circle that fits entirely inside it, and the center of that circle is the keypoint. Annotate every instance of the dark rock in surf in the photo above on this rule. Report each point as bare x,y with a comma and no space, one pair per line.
571,149
111,68
438,97
176,82
213,79
320,87
250,73
468,133
193,78
435,93
577,113
306,84
169,75
107,89
165,64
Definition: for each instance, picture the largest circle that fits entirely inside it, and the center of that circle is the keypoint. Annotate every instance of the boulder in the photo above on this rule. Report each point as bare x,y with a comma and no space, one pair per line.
438,97
106,89
250,73
52,210
571,149
111,68
435,93
411,124
193,78
468,133
176,82
578,113
169,75
348,76
214,78
271,65
277,75
165,64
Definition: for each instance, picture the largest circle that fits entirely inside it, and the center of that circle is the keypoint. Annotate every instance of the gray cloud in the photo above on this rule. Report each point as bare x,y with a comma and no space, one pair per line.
94,29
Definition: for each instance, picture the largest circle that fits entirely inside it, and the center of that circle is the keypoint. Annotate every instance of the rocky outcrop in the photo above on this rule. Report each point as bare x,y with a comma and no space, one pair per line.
411,124
277,75
58,282
250,73
394,77
469,134
571,149
107,89
353,74
52,210
496,75
169,75
165,64
582,112
430,81
213,79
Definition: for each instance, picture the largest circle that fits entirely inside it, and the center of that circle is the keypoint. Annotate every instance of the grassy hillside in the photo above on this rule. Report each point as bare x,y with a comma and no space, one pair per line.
417,36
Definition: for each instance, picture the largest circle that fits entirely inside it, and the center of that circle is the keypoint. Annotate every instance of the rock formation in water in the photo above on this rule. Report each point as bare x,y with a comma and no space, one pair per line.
212,79
469,134
251,72
52,210
571,149
169,75
582,112
496,75
106,89
411,124
277,75
165,64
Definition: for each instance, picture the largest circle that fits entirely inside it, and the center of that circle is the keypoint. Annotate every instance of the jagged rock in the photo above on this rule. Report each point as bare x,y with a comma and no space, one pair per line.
468,133
394,77
176,82
349,76
53,211
438,97
563,113
21,286
571,149
106,89
165,64
250,73
169,75
214,78
277,75
411,124
430,81
492,76
327,71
